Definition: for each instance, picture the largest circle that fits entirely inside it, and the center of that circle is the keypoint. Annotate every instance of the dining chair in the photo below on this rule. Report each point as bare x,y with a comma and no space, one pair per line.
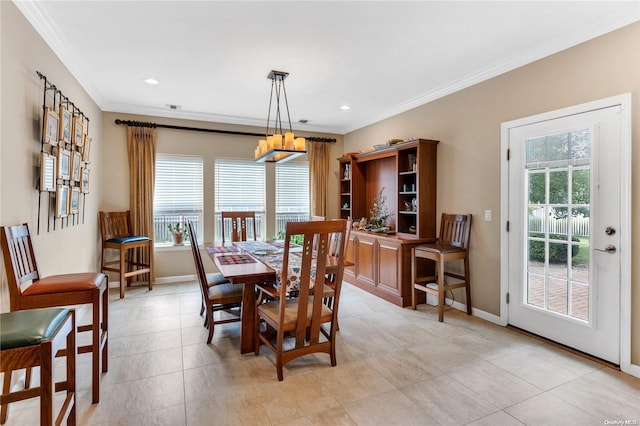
334,245
452,245
117,234
303,318
239,222
28,290
31,338
216,297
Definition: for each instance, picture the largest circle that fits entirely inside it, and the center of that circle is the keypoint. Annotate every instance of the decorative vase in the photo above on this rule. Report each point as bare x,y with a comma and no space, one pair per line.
178,239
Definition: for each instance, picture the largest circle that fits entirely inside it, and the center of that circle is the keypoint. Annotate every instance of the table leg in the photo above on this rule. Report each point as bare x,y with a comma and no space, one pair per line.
248,319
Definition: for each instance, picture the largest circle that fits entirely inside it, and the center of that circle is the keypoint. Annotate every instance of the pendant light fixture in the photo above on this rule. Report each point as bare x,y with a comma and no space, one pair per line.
278,146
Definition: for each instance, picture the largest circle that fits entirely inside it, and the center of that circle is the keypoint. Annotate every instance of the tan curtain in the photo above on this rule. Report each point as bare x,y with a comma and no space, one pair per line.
318,176
141,144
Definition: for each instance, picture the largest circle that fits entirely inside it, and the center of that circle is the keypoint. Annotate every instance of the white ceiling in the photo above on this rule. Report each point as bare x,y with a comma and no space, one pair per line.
380,58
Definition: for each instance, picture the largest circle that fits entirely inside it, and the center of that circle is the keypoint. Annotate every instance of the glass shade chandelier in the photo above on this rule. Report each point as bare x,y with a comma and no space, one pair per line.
278,146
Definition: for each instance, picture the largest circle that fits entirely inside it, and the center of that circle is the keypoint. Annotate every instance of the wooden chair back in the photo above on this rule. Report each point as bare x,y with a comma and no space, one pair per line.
239,225
455,230
197,258
19,260
335,242
311,311
115,225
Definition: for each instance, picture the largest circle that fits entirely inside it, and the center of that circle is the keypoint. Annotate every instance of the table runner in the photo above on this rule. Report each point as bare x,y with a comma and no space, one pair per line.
272,254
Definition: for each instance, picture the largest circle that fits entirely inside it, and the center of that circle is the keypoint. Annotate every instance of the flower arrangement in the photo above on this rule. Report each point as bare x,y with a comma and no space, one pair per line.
178,232
380,213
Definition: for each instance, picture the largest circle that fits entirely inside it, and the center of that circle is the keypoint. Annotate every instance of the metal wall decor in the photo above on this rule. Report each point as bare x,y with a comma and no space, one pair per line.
64,158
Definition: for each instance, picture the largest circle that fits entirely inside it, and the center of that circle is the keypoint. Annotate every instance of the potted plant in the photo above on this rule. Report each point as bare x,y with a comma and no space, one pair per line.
178,232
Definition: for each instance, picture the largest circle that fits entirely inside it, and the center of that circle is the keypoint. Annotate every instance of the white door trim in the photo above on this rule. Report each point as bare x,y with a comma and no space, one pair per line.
624,101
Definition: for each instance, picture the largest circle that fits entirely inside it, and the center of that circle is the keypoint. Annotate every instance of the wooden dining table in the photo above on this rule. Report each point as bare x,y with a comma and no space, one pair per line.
241,264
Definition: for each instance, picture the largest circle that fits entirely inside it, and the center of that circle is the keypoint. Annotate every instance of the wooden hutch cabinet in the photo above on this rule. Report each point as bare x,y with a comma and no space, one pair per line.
406,172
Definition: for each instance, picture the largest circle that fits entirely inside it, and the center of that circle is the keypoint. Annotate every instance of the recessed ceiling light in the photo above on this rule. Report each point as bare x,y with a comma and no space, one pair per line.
151,81
345,107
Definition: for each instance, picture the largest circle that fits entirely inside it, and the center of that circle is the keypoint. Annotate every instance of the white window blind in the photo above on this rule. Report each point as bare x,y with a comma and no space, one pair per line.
292,188
178,193
292,194
239,185
178,188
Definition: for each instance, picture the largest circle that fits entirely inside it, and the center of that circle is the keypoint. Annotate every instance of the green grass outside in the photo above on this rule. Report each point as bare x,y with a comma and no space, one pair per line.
582,258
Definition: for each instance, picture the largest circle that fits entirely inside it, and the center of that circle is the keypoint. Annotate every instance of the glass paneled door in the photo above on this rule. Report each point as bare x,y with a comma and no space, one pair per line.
564,202
557,181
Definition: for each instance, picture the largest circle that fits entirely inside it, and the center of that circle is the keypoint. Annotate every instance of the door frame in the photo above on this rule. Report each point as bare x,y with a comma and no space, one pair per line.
624,101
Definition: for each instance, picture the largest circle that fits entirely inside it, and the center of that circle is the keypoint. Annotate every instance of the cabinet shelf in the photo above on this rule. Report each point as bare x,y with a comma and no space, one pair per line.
407,173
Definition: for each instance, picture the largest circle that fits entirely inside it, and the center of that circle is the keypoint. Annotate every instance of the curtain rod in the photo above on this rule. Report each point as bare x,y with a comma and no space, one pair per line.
200,129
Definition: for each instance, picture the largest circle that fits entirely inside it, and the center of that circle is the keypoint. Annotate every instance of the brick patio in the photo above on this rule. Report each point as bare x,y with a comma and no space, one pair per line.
558,289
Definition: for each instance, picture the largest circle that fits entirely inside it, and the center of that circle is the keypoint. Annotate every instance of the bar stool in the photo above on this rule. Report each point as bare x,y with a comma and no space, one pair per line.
31,338
452,244
117,234
28,290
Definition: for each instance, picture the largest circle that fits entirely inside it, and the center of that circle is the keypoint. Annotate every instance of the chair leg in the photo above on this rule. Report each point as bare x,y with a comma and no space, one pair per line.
414,271
123,270
151,266
467,279
71,372
279,347
441,290
96,353
105,325
5,390
47,386
210,325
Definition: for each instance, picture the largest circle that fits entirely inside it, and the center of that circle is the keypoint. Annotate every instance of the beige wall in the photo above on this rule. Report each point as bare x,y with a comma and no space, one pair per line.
177,261
72,248
468,125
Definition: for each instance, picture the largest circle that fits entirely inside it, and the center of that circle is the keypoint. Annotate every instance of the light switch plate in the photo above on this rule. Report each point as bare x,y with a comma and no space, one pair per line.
487,215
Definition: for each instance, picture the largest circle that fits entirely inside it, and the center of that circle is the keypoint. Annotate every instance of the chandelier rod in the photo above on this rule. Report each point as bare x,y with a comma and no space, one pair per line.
133,123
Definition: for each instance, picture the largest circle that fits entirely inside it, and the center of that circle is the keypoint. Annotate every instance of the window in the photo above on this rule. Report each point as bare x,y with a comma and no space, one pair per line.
239,186
292,193
178,194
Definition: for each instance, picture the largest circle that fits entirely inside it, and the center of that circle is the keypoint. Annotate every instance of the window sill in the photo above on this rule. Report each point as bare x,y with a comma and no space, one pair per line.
171,247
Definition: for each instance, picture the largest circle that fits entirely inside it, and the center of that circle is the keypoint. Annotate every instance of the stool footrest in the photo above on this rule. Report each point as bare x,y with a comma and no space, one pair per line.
20,395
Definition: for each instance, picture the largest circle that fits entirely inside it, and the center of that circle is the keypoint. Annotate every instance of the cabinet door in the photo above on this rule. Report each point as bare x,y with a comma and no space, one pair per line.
388,267
365,267
351,255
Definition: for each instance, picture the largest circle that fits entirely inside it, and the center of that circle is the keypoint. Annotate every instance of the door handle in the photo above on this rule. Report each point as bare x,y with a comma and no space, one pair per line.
608,249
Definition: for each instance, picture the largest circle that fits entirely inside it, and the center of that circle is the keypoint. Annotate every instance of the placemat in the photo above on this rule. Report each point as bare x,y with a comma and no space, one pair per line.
235,259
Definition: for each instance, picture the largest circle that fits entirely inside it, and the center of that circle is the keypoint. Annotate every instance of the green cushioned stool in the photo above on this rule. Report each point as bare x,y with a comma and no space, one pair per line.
32,338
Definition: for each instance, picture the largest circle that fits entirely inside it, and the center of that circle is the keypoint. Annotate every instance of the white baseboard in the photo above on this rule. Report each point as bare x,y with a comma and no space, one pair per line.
475,312
631,369
163,280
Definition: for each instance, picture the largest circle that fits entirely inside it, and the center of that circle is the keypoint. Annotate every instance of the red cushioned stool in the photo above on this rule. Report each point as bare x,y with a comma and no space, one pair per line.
58,290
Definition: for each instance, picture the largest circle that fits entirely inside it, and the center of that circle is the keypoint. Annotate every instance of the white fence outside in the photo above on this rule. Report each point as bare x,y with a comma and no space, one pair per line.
579,226
162,234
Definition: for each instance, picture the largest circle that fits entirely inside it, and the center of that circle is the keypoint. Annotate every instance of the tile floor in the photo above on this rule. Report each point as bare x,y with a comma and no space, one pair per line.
395,367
